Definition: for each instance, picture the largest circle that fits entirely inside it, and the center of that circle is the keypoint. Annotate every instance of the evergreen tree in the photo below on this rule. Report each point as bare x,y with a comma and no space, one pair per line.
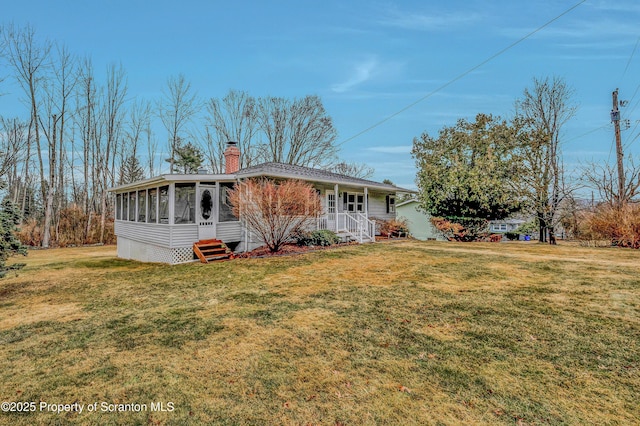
131,170
188,159
9,244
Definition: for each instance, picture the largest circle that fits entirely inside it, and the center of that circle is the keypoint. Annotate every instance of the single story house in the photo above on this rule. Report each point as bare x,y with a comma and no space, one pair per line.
505,225
160,219
418,222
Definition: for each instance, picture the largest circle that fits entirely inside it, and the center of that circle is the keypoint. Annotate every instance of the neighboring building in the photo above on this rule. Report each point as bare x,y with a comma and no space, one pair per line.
159,219
505,225
419,222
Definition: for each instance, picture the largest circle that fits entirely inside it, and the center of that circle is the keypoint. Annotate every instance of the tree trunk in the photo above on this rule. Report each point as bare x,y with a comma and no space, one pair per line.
542,229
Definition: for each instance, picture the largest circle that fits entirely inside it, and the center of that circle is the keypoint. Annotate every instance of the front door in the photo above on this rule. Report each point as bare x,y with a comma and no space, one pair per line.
330,210
206,209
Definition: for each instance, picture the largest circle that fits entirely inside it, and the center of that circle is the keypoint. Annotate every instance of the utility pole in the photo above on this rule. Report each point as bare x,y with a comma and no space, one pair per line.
615,117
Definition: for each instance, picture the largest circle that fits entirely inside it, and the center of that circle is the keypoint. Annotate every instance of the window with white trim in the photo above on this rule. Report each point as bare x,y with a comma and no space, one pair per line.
352,202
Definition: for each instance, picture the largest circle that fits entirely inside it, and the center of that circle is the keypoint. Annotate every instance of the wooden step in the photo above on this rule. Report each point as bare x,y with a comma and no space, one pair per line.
208,250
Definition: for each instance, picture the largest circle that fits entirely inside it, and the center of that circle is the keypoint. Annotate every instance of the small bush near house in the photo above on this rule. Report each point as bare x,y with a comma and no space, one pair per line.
512,236
495,238
322,237
394,228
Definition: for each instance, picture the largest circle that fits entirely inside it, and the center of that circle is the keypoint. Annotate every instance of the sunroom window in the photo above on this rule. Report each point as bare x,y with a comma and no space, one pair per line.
132,206
163,213
225,213
142,206
185,203
153,205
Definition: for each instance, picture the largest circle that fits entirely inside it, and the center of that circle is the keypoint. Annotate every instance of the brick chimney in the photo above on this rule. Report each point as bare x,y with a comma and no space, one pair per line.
231,158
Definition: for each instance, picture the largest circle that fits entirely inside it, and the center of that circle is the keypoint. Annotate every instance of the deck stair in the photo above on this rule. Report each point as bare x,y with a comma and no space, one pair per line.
208,250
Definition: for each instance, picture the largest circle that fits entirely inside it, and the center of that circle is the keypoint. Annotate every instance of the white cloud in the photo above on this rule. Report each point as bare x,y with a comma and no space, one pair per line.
361,73
428,21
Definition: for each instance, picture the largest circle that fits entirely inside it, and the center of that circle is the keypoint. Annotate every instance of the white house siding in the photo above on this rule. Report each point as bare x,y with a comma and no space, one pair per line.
156,234
378,207
229,231
184,235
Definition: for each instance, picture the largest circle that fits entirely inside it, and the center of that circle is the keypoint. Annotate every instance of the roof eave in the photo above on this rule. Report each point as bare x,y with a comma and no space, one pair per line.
372,185
173,178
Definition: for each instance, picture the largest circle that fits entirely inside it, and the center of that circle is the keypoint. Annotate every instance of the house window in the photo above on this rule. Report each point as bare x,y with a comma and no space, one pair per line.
118,206
331,202
153,206
125,205
163,213
391,204
225,211
185,203
503,226
142,206
352,202
132,206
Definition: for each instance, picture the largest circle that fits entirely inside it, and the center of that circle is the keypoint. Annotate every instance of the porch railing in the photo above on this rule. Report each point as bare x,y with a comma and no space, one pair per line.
357,225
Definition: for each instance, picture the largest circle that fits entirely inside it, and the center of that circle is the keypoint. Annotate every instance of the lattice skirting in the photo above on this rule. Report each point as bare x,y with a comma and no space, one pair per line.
144,252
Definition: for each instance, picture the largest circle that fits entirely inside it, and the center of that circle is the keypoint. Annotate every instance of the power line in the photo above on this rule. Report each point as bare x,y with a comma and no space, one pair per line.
588,133
464,74
630,57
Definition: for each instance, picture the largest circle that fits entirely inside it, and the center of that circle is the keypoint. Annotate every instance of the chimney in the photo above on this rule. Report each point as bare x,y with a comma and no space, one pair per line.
231,158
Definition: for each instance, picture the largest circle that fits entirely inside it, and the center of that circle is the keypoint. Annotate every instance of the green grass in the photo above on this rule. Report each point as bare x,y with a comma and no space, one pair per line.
390,333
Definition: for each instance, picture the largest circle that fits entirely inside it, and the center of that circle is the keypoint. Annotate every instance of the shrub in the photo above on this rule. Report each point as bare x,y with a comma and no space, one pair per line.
71,229
620,226
322,237
495,238
276,212
394,227
462,229
512,236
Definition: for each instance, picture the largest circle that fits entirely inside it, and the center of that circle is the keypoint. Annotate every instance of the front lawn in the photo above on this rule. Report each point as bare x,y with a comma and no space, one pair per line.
389,333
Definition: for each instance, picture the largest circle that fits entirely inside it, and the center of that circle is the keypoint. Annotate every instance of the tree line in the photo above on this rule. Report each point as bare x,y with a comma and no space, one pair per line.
76,136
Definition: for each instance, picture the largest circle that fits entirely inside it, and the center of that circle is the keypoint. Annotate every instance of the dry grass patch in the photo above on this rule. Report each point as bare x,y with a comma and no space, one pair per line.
391,333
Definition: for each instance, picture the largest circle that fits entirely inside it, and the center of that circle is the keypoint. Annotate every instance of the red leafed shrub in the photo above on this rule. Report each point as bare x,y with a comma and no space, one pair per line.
463,229
394,227
275,211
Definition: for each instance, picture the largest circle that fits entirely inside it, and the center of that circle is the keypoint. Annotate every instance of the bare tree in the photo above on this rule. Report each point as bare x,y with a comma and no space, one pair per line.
31,62
357,170
232,118
13,142
136,126
85,118
603,178
545,108
177,107
58,93
113,117
275,212
297,132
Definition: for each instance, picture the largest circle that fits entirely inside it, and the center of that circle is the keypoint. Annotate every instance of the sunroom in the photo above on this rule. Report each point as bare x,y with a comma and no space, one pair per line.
159,219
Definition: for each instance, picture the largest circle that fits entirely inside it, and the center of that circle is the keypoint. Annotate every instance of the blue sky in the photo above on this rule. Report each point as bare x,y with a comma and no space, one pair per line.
366,60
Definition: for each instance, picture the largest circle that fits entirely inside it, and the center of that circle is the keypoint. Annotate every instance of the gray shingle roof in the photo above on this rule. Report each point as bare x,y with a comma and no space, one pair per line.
310,174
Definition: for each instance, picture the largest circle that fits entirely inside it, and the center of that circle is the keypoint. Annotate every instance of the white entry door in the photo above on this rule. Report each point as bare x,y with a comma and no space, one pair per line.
206,212
330,209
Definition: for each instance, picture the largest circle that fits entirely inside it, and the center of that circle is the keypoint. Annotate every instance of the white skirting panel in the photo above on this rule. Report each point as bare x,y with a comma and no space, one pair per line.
145,252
